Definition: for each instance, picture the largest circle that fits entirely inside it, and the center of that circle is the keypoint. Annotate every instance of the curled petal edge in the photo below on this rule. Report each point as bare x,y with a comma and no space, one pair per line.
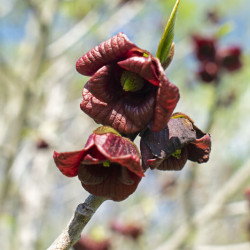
68,162
200,149
166,101
114,49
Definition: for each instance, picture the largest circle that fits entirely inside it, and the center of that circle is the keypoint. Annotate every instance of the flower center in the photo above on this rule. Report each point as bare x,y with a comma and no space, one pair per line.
177,154
106,163
130,81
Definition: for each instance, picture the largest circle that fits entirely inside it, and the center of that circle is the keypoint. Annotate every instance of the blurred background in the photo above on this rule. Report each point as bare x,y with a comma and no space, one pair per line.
202,207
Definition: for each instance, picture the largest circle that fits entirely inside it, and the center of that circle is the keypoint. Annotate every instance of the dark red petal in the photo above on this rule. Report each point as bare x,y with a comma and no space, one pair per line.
146,154
208,72
230,58
120,150
157,147
172,163
110,114
178,133
131,230
199,150
125,177
88,159
112,188
183,129
93,174
103,84
138,52
68,162
166,101
88,243
112,50
139,109
160,142
205,48
117,114
144,67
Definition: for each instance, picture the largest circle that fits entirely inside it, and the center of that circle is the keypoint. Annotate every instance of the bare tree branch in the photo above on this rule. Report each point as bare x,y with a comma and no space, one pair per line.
241,246
211,209
77,32
71,234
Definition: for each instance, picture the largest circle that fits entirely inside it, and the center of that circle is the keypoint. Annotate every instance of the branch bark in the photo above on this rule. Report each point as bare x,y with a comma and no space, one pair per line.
71,234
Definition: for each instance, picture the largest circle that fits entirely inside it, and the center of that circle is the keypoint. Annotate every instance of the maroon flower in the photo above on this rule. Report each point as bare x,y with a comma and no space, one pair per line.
108,166
208,71
205,48
178,142
130,230
128,87
87,243
42,144
230,58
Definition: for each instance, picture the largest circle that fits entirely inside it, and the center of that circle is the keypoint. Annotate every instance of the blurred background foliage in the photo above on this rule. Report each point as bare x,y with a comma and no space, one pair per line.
202,207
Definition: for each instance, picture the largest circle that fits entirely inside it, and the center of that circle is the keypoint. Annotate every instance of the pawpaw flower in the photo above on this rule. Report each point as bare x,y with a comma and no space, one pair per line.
208,72
108,166
89,243
130,230
205,48
128,87
178,142
230,58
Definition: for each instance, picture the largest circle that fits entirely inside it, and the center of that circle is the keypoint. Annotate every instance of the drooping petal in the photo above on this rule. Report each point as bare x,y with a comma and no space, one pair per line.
176,135
112,187
108,166
112,50
160,143
118,180
125,177
93,174
120,150
95,108
172,163
199,150
166,101
68,162
146,155
144,67
170,148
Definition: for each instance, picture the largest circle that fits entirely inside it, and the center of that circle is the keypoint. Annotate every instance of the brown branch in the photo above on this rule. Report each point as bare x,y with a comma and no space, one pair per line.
83,213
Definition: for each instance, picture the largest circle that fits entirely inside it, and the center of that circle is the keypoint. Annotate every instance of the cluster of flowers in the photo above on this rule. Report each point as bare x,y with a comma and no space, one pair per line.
214,59
128,230
129,94
88,243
